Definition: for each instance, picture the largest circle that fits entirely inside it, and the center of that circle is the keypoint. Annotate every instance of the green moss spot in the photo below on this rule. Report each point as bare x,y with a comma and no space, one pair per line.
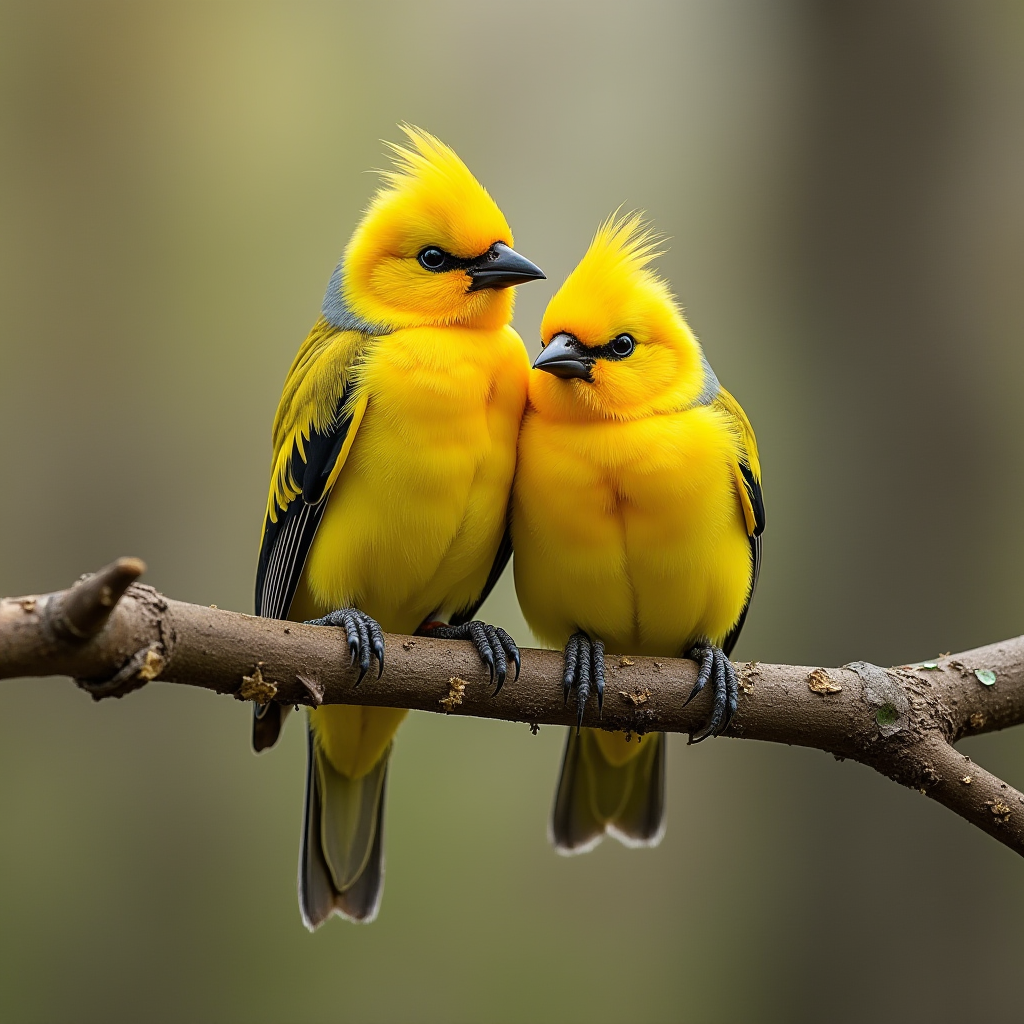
886,715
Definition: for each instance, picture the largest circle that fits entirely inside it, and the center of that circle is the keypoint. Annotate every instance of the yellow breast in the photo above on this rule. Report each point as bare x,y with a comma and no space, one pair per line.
632,531
416,516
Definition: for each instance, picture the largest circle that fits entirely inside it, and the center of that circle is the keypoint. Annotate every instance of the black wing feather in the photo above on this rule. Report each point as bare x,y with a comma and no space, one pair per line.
286,543
757,503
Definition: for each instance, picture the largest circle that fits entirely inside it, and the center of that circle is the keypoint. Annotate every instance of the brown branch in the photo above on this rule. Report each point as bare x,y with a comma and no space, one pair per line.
113,636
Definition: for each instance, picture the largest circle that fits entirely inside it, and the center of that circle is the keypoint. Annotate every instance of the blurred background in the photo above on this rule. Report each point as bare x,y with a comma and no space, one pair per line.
843,184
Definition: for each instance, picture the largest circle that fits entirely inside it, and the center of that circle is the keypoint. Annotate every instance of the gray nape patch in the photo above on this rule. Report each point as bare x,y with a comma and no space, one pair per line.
711,387
336,312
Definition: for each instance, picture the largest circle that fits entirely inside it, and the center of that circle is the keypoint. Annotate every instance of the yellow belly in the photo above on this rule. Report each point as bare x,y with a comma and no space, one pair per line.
632,532
416,516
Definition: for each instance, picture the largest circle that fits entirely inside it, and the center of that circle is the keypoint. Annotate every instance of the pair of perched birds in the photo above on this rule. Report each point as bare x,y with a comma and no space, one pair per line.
414,449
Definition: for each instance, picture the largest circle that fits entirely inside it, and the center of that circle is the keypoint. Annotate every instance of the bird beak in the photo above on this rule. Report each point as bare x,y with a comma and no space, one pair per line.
565,357
502,267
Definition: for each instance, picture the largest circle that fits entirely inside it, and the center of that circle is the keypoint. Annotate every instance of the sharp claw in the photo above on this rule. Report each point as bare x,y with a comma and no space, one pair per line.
508,649
500,676
363,634
714,664
706,662
732,695
498,653
583,683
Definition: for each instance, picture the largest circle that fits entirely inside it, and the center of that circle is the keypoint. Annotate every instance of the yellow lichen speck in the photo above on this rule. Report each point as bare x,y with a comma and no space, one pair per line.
821,682
256,688
456,688
152,666
637,697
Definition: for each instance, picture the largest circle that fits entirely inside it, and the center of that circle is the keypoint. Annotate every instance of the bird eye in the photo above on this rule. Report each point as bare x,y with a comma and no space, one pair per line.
432,259
623,346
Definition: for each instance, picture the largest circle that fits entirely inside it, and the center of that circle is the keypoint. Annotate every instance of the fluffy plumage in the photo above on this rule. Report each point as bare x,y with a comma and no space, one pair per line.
394,448
637,506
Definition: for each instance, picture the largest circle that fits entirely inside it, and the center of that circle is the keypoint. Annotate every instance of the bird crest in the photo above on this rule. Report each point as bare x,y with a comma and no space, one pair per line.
428,199
619,256
429,182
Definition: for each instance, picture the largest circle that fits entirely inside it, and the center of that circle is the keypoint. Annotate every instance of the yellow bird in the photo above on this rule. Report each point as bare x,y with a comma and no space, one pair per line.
394,450
636,519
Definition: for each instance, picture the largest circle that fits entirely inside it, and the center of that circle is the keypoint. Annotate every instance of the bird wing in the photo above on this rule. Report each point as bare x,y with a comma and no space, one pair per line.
747,470
320,411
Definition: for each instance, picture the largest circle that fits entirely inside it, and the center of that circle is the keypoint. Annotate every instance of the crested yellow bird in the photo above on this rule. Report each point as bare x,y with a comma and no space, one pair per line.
394,449
636,518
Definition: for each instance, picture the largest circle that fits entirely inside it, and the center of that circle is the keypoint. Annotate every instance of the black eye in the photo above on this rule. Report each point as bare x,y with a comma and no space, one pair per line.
623,346
433,259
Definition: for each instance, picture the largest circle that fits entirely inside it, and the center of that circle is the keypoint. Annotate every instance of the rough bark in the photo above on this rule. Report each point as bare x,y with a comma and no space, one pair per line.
113,635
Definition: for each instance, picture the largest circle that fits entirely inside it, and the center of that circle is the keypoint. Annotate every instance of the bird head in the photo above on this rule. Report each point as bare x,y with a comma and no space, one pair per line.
616,344
432,248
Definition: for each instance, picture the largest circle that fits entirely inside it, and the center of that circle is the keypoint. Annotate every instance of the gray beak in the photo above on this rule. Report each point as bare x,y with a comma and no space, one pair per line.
565,357
502,267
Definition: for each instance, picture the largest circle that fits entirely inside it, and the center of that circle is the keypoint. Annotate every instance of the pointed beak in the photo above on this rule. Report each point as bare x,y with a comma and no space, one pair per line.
502,267
565,357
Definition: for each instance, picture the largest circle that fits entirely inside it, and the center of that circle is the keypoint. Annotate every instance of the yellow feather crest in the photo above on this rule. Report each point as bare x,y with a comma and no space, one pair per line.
613,287
430,184
428,198
426,157
613,290
626,240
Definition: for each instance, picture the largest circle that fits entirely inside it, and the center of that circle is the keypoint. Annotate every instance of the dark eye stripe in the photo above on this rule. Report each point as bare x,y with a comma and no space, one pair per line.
437,261
622,346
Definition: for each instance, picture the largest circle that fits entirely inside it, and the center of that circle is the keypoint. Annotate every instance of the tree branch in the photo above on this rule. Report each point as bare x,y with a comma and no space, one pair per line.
113,635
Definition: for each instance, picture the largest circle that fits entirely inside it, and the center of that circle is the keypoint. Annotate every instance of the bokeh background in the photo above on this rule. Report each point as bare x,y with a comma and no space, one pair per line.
843,184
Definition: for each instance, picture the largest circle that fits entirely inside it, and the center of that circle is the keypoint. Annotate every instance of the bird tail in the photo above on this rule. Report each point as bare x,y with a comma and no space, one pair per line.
341,861
619,790
267,720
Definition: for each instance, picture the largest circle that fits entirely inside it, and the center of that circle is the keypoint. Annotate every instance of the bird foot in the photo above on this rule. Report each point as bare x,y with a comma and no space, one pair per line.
716,668
584,665
365,637
494,645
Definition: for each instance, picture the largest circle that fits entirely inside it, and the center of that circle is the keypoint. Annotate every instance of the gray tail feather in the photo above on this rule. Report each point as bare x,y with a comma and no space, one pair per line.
267,720
594,797
328,796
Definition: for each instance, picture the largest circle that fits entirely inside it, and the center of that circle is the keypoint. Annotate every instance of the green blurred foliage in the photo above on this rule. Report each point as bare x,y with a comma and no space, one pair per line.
842,187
